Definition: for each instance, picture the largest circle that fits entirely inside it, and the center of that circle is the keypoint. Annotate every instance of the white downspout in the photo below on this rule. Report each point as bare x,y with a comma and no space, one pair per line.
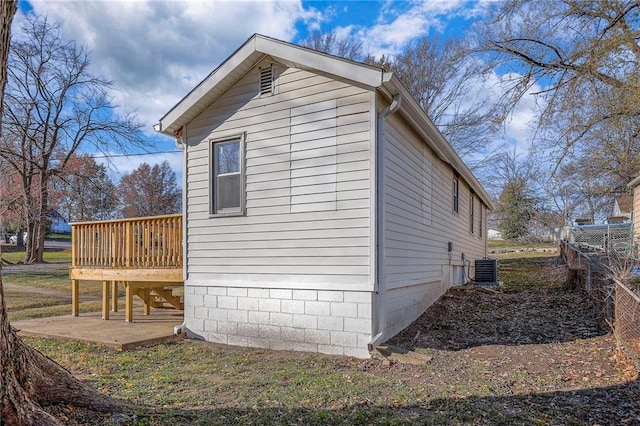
181,144
380,220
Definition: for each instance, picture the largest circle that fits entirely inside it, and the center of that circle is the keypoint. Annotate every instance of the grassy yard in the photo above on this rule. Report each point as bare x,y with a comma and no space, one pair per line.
571,379
62,256
39,291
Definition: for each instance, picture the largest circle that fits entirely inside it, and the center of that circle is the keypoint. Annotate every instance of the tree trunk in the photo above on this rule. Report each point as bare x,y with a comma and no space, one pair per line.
28,379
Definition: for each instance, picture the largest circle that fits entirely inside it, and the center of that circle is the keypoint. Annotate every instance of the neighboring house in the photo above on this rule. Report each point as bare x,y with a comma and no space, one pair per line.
622,208
58,224
494,234
324,211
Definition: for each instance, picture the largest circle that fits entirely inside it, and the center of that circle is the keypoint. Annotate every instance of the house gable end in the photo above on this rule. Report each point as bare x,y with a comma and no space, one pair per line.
246,57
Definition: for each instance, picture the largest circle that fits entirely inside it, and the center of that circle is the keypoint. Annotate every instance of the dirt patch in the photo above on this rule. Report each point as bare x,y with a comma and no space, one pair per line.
471,316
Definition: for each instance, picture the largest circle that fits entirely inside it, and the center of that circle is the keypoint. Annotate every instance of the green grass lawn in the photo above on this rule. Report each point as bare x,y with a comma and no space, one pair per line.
515,245
45,294
59,237
530,270
63,256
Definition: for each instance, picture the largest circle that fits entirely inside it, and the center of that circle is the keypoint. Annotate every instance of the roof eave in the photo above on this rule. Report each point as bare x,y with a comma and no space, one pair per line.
634,183
422,124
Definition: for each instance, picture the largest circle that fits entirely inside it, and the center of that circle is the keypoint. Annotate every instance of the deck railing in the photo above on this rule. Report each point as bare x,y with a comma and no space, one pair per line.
148,242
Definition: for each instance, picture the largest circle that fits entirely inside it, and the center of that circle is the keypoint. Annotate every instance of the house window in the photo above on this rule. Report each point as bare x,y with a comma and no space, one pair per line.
456,194
227,177
472,199
481,217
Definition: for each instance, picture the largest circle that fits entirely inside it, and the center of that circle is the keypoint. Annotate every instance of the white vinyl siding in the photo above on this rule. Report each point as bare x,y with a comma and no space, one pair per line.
419,225
307,186
314,168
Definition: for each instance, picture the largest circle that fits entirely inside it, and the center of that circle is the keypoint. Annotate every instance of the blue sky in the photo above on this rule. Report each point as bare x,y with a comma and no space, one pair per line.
157,51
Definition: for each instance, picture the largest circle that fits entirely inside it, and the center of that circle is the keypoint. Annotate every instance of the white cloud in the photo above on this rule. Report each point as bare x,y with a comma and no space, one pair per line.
400,23
155,52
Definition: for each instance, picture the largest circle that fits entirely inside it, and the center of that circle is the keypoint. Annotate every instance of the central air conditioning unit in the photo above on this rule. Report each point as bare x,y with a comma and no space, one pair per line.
486,271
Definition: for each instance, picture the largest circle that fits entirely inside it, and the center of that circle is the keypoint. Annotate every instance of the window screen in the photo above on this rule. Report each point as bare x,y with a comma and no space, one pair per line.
227,177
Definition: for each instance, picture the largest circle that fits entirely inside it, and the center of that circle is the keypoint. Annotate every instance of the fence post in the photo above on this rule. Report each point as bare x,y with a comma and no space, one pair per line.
588,278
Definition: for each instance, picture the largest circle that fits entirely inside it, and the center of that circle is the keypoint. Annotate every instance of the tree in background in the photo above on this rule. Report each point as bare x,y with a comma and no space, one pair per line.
83,191
150,191
515,210
448,83
451,87
589,68
53,105
330,42
516,203
29,379
581,60
10,199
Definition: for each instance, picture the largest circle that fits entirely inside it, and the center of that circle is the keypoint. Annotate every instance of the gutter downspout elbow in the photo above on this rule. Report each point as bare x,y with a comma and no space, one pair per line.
381,336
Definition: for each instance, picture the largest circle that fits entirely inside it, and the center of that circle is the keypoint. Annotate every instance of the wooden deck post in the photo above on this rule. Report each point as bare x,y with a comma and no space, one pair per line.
128,310
106,290
146,309
114,296
75,305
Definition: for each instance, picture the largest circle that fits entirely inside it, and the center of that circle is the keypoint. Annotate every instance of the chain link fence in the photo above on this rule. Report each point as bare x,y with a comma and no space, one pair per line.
611,281
615,237
627,321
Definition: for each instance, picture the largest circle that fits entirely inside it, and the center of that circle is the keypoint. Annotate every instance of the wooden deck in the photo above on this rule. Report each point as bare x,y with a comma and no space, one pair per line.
144,255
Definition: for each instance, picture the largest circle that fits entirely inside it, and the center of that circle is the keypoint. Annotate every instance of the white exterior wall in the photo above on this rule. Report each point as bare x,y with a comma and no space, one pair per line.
295,271
419,224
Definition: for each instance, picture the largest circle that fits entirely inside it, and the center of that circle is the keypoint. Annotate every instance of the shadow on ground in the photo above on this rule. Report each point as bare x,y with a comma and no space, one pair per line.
610,405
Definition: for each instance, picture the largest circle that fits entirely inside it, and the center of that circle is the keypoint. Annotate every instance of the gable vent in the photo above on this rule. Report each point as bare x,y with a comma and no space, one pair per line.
266,80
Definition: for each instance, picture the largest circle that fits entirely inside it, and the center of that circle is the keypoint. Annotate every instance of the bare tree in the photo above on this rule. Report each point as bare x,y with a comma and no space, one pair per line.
581,59
150,191
29,379
330,42
449,83
53,105
452,87
84,191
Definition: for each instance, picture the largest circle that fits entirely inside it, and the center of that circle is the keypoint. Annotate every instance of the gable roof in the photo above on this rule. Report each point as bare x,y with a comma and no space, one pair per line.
625,203
372,78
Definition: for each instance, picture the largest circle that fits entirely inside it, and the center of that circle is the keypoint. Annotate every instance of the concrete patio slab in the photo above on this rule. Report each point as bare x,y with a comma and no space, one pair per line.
145,330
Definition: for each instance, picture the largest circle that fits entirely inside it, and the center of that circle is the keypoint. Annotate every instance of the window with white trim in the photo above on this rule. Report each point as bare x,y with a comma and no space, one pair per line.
227,176
481,222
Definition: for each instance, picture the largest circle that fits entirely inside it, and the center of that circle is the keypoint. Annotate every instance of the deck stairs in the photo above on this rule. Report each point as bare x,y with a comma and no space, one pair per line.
160,297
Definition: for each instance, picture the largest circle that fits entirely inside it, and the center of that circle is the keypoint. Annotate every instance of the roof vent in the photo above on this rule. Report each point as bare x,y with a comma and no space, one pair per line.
266,80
